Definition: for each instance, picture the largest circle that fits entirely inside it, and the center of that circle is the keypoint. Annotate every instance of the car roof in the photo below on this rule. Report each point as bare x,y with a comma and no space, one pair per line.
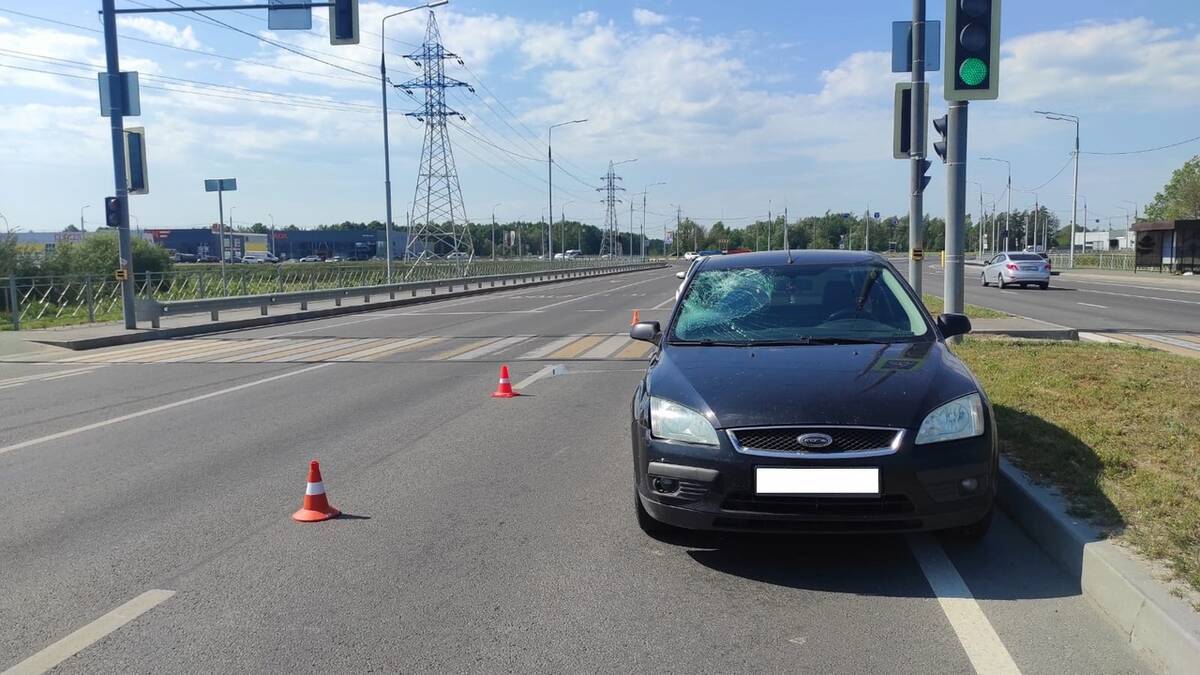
802,257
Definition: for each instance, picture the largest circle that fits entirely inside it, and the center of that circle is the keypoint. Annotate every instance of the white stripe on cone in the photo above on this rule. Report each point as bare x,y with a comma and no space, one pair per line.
315,489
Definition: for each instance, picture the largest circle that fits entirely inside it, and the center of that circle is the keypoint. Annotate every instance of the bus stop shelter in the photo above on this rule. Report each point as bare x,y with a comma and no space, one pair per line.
1171,245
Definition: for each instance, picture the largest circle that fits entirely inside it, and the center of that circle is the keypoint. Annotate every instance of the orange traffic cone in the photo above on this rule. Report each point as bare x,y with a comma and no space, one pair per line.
636,318
504,389
316,506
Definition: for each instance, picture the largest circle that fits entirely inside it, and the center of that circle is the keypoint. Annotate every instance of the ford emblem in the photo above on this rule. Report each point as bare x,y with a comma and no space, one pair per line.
815,440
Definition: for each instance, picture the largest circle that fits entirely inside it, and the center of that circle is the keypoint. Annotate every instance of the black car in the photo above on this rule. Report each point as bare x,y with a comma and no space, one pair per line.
809,391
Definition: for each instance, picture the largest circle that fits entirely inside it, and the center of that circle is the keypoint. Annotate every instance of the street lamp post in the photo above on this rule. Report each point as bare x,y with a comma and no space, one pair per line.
979,225
387,155
1073,119
81,227
1008,213
644,191
550,174
272,235
494,229
562,225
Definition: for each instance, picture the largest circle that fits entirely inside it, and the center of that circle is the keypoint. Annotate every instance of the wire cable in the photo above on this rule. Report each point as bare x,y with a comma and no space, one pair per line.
1143,151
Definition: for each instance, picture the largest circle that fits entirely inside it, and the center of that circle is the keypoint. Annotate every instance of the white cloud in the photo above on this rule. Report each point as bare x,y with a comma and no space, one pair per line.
645,17
161,31
1103,64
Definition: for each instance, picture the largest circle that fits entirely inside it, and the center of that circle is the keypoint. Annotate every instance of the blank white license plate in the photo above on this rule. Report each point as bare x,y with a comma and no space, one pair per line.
831,481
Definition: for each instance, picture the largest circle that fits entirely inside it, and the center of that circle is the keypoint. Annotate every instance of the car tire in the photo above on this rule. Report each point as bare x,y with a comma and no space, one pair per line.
1000,281
652,527
983,280
1044,286
976,530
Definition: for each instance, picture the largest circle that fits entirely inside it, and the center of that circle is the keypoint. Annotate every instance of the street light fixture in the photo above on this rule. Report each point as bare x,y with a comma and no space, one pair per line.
387,160
1073,119
1008,213
81,227
550,174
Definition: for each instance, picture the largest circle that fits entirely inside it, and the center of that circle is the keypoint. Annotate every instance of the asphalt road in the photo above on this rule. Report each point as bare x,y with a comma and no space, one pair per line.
481,535
1089,302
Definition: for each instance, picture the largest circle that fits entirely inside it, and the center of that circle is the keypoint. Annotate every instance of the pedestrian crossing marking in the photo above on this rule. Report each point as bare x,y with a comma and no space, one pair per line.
578,347
605,346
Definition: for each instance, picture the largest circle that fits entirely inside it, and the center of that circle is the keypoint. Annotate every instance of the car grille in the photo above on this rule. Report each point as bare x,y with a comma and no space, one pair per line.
783,439
819,506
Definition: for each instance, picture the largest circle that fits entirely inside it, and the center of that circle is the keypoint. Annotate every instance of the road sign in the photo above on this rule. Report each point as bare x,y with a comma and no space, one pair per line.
136,171
126,87
291,18
902,46
220,184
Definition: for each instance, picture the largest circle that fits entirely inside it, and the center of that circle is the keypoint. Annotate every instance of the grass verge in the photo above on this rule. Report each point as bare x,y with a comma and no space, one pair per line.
935,306
1116,428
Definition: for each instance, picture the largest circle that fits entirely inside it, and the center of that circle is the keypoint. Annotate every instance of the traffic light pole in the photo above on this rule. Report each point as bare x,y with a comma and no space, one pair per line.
916,227
956,205
116,101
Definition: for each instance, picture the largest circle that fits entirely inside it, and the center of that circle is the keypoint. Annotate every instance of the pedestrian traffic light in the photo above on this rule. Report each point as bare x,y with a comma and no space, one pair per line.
343,22
972,50
112,212
941,125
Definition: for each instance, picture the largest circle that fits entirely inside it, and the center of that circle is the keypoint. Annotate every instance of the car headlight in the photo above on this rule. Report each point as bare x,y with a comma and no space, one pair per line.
674,422
960,418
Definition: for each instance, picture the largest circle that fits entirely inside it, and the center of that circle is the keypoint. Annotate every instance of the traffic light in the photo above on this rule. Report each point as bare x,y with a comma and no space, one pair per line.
972,50
112,212
941,125
925,164
902,119
343,22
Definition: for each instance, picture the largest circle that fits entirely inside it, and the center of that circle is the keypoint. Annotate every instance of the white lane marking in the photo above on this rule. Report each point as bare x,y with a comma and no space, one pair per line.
606,348
1170,340
511,311
550,347
1144,288
664,303
1097,337
10,386
556,369
984,648
156,409
90,634
1088,304
591,310
592,295
489,348
325,326
1139,297
42,376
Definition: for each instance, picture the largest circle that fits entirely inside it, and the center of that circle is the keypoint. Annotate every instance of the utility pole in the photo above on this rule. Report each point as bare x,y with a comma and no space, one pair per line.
678,214
81,227
786,246
550,175
494,229
117,131
956,205
916,226
770,224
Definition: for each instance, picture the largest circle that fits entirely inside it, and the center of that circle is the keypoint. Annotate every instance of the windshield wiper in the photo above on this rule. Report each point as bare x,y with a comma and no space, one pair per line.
815,340
711,343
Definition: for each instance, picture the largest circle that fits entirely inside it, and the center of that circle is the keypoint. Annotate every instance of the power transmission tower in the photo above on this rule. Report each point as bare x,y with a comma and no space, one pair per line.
439,222
609,243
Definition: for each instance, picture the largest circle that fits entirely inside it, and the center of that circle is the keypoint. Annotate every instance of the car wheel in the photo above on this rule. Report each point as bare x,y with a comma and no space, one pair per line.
1044,286
1000,281
976,530
983,280
647,522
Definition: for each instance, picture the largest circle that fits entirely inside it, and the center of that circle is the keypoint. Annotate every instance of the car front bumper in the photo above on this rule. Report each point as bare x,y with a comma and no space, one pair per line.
921,488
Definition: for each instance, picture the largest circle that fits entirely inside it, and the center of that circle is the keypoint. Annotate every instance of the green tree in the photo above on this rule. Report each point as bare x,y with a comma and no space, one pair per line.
13,260
98,254
1180,197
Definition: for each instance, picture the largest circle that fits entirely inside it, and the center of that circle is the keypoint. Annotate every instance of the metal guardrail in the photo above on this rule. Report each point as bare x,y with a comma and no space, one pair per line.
63,300
150,309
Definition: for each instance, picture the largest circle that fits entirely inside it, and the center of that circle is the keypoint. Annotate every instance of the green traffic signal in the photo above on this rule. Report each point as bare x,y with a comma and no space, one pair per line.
973,71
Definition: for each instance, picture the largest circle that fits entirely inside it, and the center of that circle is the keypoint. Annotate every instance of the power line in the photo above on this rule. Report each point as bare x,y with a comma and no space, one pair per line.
164,45
1056,175
1140,152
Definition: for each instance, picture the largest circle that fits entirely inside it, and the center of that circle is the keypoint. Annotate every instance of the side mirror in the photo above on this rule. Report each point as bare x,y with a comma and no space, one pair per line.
953,324
647,331
680,275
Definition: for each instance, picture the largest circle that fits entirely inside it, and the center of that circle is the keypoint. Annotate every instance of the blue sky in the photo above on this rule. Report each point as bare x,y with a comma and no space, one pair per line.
736,106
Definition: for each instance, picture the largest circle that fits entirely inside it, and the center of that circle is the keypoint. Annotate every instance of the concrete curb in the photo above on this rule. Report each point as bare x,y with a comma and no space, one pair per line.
1161,627
146,335
1033,333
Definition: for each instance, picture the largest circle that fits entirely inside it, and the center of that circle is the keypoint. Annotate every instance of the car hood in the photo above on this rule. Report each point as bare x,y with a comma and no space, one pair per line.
893,385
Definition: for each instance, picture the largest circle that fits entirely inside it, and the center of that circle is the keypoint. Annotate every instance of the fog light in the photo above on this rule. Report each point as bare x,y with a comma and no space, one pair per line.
969,484
665,485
